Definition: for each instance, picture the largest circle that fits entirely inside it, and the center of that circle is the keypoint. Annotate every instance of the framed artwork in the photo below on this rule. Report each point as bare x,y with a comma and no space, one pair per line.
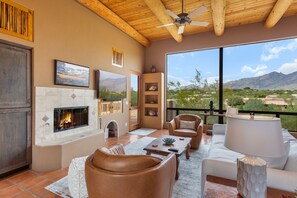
71,74
117,58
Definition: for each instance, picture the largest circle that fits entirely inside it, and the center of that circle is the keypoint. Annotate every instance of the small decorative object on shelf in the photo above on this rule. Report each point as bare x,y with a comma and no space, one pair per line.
168,141
153,88
152,113
211,107
153,69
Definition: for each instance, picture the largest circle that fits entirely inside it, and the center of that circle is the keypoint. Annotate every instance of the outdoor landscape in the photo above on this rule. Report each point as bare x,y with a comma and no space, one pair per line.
265,80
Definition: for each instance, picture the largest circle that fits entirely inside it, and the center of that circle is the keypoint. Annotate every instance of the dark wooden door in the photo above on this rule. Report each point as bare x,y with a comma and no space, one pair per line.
15,107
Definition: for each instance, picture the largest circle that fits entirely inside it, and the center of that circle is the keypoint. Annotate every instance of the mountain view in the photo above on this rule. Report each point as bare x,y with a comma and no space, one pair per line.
270,81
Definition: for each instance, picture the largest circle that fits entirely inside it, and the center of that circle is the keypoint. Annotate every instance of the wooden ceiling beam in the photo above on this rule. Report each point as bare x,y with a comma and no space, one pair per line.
104,12
157,7
218,16
277,12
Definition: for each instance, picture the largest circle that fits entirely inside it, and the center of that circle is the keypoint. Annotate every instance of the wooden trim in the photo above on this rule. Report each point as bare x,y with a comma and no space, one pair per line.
16,20
157,7
271,192
101,10
277,12
218,16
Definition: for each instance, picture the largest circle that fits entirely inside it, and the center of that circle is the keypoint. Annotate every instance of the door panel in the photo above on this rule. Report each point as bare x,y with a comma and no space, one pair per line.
15,107
134,109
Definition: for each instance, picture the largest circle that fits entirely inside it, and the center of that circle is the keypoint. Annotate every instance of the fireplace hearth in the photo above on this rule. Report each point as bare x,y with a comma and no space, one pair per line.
70,118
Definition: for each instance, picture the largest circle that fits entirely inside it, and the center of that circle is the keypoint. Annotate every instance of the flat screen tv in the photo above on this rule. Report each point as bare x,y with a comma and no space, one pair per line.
110,86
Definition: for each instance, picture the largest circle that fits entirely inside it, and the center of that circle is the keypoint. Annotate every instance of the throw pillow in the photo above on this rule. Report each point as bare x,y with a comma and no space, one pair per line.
278,162
187,124
115,150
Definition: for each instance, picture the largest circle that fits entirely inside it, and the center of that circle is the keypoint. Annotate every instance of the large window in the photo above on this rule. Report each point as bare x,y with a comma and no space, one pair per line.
192,79
256,77
261,76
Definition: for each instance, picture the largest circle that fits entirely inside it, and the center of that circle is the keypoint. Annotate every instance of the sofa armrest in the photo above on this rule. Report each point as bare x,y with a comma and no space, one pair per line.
218,129
217,168
281,179
277,179
172,127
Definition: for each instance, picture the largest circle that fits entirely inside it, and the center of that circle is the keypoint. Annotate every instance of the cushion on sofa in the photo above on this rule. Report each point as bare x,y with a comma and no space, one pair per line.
186,132
278,162
123,163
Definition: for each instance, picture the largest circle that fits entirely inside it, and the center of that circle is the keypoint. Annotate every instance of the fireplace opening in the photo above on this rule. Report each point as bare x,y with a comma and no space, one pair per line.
70,118
112,128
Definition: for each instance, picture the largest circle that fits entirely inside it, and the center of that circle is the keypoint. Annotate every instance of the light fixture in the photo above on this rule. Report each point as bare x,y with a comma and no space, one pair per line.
257,137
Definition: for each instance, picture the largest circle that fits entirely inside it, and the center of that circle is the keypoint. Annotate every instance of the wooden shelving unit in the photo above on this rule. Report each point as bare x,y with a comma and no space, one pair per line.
153,100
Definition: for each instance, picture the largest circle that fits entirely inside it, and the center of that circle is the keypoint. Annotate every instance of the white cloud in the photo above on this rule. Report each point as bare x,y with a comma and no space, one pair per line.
259,70
287,68
212,79
182,81
271,52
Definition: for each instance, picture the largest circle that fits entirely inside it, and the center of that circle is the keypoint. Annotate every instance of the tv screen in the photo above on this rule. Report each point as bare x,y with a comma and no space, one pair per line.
111,86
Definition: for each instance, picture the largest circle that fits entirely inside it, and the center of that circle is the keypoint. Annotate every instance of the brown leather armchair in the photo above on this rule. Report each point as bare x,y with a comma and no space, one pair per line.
133,176
195,132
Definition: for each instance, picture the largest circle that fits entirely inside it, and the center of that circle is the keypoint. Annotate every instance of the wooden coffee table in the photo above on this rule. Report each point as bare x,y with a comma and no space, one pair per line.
158,147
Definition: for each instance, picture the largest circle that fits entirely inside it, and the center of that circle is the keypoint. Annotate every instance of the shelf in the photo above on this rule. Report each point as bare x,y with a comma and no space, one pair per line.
153,86
151,99
151,111
151,105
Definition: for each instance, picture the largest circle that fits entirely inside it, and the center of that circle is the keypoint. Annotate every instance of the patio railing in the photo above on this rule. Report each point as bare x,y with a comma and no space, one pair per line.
288,119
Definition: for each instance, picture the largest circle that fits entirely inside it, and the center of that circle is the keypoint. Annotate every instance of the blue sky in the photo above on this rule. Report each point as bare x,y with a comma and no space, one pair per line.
239,61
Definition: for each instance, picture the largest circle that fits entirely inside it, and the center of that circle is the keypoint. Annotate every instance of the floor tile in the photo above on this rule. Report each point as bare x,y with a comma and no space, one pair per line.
5,184
32,181
25,194
10,192
22,176
39,189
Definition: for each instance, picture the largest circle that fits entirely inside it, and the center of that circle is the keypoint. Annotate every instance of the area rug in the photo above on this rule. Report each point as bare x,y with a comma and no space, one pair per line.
187,186
142,131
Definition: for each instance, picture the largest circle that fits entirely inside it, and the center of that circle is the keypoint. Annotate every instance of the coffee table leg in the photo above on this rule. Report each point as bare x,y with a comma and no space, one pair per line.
188,151
177,164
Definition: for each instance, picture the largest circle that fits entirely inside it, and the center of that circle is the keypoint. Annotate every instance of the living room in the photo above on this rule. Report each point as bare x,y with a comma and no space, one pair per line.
71,32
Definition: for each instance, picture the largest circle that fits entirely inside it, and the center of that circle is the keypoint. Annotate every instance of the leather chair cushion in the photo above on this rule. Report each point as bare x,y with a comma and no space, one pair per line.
123,163
185,132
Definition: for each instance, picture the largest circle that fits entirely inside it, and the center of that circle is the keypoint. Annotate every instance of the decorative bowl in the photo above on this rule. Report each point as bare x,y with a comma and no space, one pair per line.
168,140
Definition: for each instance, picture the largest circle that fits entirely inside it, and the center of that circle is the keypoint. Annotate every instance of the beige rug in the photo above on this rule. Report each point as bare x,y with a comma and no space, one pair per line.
187,186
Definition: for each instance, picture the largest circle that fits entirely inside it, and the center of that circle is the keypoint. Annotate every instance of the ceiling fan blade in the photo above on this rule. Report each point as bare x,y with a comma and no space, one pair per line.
199,23
165,25
197,12
181,29
172,14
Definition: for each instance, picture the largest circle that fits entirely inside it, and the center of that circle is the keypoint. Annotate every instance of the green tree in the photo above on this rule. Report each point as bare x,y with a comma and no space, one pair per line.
254,105
235,101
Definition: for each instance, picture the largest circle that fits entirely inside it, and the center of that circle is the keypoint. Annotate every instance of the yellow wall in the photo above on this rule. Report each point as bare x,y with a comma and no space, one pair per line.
66,30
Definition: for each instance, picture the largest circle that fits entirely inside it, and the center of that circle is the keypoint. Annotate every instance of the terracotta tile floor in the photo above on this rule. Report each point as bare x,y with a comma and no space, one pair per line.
29,183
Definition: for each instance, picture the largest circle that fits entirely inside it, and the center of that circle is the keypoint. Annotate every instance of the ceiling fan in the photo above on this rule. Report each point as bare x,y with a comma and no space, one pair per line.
183,18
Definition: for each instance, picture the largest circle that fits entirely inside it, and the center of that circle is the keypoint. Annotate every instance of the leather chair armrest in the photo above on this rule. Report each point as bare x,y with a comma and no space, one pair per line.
172,126
200,128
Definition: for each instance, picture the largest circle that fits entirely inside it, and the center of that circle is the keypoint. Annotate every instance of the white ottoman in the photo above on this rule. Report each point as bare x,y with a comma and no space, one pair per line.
76,178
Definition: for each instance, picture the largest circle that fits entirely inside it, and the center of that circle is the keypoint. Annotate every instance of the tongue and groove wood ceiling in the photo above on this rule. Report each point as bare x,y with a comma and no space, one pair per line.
140,18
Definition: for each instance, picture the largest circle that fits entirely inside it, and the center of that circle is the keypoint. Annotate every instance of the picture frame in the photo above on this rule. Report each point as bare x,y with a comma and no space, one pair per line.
71,74
117,58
